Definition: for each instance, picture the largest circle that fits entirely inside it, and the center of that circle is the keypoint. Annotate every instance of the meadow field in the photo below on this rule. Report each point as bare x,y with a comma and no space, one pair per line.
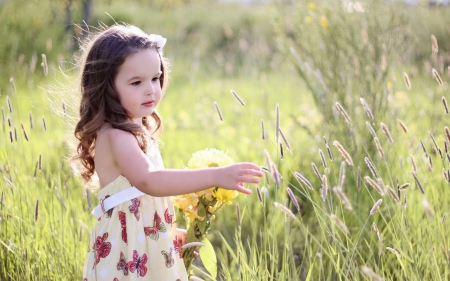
345,110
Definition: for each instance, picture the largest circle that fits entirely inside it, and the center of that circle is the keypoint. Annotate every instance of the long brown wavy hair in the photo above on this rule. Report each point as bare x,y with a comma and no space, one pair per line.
100,62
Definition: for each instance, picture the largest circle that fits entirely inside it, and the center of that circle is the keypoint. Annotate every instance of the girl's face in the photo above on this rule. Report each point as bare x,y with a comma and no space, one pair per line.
137,84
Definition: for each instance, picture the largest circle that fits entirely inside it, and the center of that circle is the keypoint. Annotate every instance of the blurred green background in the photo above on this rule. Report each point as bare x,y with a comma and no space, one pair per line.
302,55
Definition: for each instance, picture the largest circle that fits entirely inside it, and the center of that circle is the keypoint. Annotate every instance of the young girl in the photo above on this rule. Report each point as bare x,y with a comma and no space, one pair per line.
124,75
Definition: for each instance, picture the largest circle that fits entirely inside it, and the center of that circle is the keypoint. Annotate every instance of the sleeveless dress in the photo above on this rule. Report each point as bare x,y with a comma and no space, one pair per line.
135,240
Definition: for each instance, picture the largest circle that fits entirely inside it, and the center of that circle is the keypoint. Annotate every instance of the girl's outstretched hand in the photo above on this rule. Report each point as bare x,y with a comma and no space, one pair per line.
234,176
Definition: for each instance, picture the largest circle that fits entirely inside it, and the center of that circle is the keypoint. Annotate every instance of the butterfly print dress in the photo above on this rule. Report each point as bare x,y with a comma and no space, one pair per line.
135,240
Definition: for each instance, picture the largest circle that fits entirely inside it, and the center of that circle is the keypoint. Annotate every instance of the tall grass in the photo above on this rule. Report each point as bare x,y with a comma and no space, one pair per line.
342,230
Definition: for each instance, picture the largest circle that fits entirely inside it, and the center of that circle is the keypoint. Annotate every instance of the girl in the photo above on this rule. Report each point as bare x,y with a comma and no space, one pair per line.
123,77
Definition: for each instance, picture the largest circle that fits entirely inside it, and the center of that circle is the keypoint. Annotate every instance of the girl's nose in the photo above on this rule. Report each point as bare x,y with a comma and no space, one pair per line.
150,89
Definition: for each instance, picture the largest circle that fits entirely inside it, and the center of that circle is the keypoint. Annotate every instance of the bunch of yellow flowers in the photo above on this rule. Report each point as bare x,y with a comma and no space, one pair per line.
198,208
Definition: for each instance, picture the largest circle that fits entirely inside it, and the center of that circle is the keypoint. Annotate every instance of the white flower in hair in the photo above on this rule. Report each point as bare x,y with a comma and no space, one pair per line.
160,41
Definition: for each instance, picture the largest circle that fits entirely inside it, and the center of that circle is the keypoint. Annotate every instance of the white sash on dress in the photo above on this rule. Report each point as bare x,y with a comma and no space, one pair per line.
116,199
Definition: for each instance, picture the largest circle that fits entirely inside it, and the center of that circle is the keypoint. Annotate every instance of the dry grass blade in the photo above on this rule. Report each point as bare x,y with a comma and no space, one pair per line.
407,81
341,179
343,112
343,152
437,77
324,189
218,111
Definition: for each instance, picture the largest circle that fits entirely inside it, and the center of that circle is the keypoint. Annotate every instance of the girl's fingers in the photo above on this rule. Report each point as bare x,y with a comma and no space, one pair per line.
248,179
251,172
244,190
249,165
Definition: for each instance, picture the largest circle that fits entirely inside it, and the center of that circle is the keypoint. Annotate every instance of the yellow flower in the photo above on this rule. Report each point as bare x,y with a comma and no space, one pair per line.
323,21
192,215
311,6
207,193
225,195
308,19
185,201
209,158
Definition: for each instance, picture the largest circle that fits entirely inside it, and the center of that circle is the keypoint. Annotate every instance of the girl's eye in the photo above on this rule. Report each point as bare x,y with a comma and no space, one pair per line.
155,79
136,83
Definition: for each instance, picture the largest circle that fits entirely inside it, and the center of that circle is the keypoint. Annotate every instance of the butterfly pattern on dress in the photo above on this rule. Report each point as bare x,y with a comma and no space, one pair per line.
158,226
122,264
177,247
123,225
168,258
168,217
135,207
138,264
101,248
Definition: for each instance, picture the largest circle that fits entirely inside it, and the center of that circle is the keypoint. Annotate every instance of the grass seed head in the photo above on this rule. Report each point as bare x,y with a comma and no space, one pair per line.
434,45
343,112
340,223
343,152
378,145
8,102
375,207
402,125
293,198
44,64
444,101
263,133
277,123
437,77
288,146
218,111
238,98
24,131
13,85
301,178
366,108
386,132
284,209
407,81
258,192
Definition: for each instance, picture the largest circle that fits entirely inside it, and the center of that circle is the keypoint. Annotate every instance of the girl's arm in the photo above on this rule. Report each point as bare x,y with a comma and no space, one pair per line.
135,166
